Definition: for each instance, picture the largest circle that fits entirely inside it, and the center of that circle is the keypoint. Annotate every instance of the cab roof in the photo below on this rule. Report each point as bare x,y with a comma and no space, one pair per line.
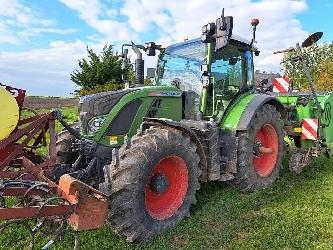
234,39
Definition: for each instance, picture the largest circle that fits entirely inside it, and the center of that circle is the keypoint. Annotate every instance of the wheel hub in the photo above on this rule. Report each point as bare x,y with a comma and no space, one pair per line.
259,149
166,187
159,183
256,148
265,150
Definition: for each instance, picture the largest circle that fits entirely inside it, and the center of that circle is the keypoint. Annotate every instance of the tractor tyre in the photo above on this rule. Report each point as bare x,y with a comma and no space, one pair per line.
65,155
260,151
153,183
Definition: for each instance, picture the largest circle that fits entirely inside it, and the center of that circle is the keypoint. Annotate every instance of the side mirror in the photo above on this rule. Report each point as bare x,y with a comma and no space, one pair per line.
150,48
220,31
208,31
224,27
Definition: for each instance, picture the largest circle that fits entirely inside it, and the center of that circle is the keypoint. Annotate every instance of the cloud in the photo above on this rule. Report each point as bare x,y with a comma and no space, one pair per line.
43,71
46,71
176,20
18,23
102,19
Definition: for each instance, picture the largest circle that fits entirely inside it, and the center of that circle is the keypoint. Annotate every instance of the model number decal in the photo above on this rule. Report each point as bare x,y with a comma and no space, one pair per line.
166,93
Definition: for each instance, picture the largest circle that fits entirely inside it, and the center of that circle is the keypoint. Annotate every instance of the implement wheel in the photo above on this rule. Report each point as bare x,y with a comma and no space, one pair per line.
260,151
154,183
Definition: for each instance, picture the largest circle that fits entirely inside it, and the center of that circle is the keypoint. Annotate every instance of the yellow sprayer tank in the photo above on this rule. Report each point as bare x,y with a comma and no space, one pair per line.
9,113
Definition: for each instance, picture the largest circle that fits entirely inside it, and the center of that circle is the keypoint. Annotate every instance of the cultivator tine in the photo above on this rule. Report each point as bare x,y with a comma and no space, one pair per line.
2,201
50,211
52,227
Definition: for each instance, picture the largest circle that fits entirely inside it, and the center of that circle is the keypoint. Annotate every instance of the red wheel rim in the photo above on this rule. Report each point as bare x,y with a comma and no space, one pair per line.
162,205
264,163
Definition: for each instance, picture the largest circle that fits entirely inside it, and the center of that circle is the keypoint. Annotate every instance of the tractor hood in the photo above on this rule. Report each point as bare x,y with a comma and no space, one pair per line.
100,104
118,113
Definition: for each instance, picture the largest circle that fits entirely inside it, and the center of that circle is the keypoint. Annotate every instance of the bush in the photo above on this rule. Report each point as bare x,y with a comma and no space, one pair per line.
319,59
100,72
109,86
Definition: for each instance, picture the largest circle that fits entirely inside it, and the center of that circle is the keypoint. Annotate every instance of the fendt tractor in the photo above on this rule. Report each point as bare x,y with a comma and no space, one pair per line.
148,148
203,120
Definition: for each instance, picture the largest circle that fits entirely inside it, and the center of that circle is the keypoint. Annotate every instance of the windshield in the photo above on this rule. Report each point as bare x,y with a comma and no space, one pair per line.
180,64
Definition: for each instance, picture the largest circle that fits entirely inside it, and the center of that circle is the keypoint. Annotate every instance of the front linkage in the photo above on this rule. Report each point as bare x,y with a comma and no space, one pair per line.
82,158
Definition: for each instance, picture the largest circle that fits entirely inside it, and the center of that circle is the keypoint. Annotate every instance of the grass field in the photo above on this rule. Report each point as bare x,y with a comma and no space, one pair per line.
295,213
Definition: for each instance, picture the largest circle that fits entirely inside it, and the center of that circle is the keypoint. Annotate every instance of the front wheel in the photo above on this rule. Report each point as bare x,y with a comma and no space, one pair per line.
154,183
260,151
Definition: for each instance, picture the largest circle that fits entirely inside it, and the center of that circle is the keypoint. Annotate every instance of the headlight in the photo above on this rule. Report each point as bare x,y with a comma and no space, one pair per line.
95,123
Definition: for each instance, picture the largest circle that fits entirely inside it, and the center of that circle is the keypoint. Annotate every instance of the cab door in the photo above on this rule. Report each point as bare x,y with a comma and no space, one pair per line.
231,74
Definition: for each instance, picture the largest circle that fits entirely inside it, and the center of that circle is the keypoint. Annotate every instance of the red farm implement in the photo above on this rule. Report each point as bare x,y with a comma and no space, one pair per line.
28,192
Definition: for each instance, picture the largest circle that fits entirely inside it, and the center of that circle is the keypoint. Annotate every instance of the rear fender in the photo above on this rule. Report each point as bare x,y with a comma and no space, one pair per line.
256,103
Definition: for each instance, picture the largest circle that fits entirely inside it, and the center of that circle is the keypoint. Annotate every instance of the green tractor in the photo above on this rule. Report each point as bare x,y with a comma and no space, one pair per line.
149,148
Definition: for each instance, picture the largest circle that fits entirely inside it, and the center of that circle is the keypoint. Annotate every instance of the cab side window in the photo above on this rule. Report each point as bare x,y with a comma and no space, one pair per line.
226,69
249,68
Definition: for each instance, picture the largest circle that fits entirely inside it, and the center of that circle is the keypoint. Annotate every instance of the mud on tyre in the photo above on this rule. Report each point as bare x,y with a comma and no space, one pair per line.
256,170
154,183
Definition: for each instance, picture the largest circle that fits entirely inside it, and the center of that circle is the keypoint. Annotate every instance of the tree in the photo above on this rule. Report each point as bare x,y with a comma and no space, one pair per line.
319,59
101,72
324,75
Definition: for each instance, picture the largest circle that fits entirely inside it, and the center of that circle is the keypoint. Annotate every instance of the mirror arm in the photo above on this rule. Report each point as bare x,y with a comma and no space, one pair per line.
309,78
254,35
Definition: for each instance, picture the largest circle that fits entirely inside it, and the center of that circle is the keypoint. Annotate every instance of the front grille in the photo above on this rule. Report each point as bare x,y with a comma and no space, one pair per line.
98,104
121,124
152,112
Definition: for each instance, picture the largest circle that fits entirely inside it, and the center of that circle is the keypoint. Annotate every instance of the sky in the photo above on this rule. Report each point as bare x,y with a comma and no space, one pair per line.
41,41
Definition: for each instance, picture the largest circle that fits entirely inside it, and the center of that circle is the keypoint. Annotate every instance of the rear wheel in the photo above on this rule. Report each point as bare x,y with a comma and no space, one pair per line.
154,183
260,151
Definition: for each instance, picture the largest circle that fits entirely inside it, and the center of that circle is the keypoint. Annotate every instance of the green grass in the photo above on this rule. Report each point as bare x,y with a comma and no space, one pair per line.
295,213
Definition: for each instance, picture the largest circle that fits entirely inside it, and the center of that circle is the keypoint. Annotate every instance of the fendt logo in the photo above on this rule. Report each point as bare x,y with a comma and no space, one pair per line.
327,114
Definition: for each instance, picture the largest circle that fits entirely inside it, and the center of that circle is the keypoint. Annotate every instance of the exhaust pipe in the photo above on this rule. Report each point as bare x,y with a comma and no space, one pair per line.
139,66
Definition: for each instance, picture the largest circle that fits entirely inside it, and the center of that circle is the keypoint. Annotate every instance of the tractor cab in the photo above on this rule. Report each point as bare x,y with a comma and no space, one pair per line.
210,79
186,65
